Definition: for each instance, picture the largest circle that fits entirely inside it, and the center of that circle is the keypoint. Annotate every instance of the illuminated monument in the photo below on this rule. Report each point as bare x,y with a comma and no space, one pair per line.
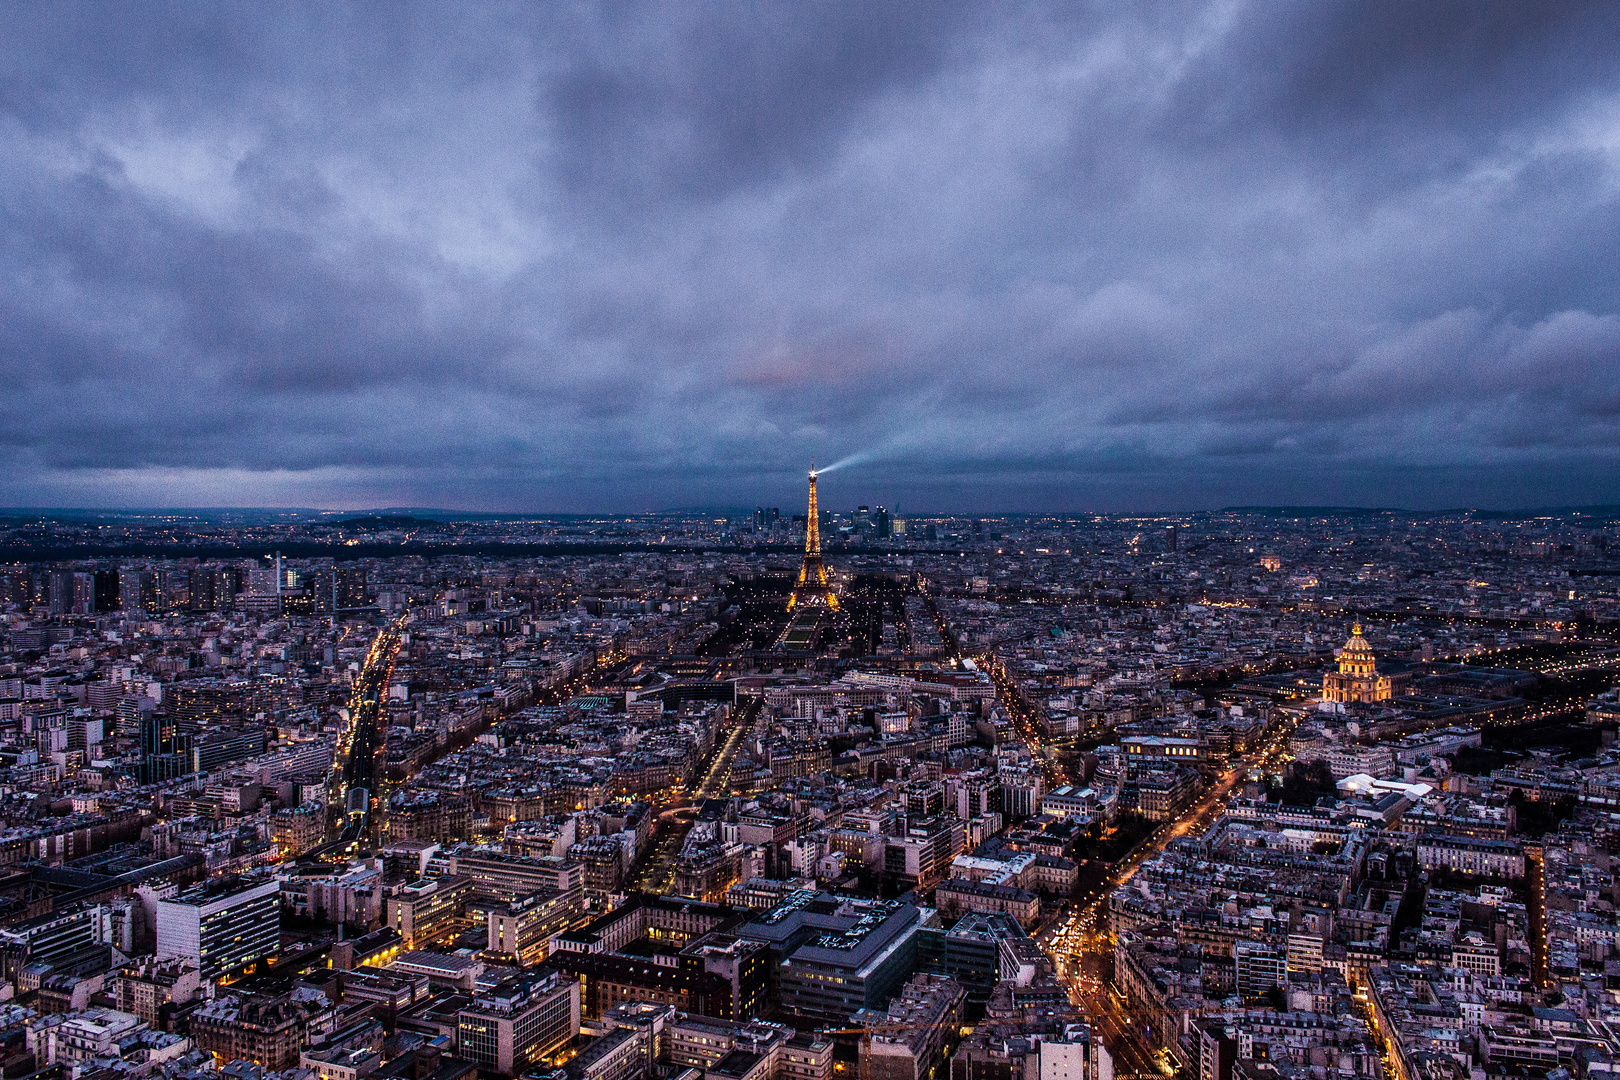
813,588
1357,678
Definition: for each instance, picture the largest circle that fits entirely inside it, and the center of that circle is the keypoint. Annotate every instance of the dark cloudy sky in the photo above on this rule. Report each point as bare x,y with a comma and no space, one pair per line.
570,256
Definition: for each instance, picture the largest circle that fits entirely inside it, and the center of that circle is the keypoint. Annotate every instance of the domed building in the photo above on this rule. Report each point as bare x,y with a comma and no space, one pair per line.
1357,678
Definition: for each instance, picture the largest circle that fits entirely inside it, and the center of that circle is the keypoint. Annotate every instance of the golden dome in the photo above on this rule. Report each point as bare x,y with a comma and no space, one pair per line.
1356,658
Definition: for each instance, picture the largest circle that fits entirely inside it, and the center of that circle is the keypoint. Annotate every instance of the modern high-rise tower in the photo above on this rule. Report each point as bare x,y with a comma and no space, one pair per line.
813,586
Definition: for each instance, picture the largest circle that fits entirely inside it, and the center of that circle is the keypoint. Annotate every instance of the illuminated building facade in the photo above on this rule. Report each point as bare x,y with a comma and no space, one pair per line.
1357,678
813,585
220,925
519,1023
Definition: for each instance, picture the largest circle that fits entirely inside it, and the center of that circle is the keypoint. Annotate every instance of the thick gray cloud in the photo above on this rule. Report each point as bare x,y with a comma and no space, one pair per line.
625,256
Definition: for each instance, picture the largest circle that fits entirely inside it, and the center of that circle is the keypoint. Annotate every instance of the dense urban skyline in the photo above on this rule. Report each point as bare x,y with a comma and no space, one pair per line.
1249,795
810,541
1168,256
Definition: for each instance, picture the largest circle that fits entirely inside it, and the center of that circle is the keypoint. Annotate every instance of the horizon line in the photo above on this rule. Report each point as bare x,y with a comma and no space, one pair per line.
1246,508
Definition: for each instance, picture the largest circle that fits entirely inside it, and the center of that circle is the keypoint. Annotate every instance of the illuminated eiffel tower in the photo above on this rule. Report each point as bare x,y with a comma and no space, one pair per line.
813,586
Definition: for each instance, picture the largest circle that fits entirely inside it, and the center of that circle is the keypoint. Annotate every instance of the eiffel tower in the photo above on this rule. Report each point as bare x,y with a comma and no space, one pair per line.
813,586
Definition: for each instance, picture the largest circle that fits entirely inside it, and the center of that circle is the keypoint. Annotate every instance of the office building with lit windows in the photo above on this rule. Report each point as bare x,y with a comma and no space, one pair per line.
221,925
519,1023
428,910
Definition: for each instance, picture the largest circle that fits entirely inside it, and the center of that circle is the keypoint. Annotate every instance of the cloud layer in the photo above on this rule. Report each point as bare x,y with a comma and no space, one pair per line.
625,256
